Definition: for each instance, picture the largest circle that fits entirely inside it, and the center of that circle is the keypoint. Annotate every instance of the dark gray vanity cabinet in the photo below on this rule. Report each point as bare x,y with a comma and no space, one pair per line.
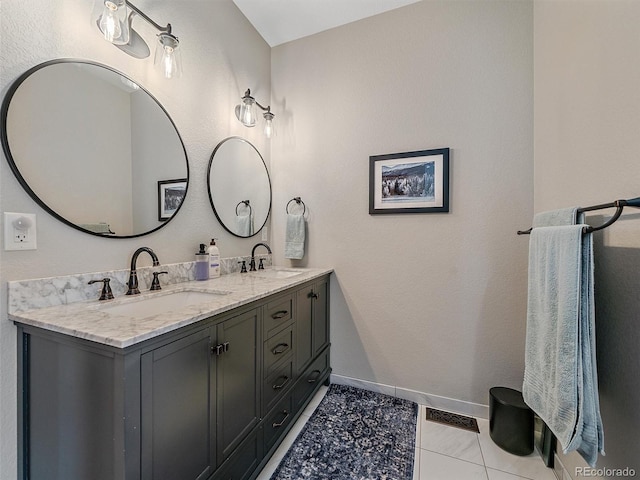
209,401
200,399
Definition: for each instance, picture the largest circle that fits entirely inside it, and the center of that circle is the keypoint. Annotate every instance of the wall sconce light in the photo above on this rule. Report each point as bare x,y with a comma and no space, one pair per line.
113,19
246,113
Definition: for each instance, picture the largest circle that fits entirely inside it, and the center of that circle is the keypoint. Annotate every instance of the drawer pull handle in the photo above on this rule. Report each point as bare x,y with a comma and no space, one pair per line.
315,379
279,314
279,424
284,382
280,348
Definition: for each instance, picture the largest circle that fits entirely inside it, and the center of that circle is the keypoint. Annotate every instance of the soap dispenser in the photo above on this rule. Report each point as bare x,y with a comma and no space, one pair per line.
202,264
214,259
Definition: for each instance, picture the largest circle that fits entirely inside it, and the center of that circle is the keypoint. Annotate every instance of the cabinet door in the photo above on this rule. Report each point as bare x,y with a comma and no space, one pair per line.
320,317
304,331
312,322
177,415
238,381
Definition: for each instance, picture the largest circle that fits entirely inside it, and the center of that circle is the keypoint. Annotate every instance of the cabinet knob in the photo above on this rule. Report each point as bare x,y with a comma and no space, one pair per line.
312,294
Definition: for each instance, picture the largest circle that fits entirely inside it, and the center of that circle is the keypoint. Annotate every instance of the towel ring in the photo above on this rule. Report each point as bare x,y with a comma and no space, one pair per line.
298,201
246,203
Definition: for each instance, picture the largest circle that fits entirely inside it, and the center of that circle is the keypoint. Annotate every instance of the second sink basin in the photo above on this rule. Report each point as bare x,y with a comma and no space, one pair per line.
276,273
157,303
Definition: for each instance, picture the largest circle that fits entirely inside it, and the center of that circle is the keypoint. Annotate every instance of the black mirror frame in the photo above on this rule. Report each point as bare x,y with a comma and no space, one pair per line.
23,183
211,197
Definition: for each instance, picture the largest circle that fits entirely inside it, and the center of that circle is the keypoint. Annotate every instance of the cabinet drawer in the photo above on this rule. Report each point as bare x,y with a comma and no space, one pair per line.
277,314
278,422
276,384
276,349
310,378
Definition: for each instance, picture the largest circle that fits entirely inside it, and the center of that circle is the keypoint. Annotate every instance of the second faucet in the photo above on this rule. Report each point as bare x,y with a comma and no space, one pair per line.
252,263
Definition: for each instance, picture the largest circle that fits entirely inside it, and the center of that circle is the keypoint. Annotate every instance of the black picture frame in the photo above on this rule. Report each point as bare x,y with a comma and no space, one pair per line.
170,196
409,182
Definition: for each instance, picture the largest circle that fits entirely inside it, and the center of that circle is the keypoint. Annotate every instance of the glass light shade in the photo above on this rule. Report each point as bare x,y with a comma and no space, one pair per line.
247,113
168,59
112,20
269,127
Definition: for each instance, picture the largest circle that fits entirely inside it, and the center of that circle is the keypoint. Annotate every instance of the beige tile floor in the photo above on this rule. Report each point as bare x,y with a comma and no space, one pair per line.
444,453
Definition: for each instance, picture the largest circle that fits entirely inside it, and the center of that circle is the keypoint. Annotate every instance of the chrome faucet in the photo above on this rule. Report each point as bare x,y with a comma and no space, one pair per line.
133,275
252,263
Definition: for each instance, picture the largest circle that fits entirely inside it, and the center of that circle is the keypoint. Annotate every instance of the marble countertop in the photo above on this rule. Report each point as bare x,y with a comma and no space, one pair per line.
90,320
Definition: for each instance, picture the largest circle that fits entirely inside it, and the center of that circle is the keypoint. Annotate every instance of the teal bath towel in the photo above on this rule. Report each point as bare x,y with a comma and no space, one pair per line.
294,236
560,379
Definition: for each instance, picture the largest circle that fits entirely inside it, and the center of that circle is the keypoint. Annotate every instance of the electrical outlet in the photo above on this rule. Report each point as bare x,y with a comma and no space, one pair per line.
19,231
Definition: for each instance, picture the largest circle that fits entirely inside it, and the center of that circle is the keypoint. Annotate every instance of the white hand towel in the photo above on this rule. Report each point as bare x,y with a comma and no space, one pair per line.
244,224
294,239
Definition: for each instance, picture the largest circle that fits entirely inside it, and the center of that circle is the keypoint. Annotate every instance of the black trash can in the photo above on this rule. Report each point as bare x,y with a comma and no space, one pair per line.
511,423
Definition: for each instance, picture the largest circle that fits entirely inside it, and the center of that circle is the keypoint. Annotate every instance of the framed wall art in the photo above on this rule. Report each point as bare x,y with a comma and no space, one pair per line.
409,182
170,196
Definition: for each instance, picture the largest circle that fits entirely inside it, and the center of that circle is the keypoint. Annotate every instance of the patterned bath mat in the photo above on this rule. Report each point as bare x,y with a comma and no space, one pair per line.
353,435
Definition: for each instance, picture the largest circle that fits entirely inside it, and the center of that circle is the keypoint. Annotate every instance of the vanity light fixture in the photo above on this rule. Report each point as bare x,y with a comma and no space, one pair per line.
246,113
114,19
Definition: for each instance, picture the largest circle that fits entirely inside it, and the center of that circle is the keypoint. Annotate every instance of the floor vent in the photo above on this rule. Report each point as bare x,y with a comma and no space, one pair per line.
452,419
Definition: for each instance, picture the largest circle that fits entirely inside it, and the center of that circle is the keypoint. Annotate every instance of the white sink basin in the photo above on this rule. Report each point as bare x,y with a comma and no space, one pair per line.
276,273
157,303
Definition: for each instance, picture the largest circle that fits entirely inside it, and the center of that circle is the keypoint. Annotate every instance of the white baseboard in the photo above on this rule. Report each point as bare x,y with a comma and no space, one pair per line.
559,470
430,400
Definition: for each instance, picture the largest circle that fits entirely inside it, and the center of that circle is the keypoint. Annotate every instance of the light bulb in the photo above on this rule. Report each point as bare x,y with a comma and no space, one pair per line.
168,62
248,118
269,130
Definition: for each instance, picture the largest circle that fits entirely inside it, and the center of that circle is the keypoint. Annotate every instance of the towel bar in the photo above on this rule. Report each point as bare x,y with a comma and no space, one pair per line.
247,204
618,204
298,201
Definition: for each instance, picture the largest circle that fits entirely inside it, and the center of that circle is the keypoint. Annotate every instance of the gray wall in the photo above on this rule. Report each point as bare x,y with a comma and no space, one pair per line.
434,303
222,55
586,144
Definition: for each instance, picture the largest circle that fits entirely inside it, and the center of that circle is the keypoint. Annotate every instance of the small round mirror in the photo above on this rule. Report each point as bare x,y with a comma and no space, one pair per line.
239,187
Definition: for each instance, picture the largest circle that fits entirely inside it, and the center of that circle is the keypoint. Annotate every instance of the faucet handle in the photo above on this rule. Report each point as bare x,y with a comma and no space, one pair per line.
155,283
106,293
244,266
261,266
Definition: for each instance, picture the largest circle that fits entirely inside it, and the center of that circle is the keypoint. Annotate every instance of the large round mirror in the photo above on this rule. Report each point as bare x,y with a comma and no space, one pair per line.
239,187
94,149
